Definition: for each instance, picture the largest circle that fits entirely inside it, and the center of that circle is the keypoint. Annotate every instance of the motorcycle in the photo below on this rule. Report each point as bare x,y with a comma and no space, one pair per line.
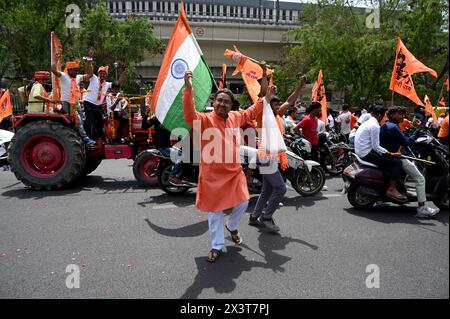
5,139
366,184
332,156
305,176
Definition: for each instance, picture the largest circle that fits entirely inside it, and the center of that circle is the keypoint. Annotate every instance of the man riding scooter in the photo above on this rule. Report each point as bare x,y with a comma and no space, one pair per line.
391,138
367,147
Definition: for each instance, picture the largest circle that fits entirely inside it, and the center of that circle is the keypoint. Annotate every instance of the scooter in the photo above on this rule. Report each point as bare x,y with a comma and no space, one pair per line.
366,184
5,139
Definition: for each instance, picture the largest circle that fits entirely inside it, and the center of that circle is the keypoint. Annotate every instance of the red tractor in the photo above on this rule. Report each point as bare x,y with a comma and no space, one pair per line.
47,153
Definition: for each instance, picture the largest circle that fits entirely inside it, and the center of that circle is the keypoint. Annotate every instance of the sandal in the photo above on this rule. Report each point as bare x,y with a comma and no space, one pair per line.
235,236
213,255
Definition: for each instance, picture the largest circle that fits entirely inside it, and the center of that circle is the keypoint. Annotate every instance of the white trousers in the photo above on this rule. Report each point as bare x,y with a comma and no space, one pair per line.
216,223
411,170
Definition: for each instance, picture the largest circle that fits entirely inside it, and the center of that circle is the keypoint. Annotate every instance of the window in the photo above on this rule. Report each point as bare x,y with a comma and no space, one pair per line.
124,8
158,6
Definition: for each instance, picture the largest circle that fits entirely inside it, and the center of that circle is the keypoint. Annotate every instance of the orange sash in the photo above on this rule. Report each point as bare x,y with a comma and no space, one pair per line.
282,156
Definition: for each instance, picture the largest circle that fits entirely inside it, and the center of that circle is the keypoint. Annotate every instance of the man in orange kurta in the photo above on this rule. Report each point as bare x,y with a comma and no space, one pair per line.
222,185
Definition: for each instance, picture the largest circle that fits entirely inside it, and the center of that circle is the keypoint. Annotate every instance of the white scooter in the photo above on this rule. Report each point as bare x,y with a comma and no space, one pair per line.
5,139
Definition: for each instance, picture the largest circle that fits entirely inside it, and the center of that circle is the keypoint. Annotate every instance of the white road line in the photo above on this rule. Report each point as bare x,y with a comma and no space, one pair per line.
165,206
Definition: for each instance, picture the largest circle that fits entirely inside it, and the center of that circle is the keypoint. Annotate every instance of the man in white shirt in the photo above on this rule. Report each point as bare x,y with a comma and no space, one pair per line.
367,147
70,92
94,100
290,119
116,107
344,121
330,119
364,117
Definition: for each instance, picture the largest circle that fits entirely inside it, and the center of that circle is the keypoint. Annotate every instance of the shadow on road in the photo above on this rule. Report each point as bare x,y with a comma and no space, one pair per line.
222,274
397,214
297,202
193,230
87,183
181,200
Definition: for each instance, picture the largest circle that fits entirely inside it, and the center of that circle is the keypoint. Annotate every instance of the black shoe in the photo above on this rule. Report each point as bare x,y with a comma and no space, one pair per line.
270,225
254,221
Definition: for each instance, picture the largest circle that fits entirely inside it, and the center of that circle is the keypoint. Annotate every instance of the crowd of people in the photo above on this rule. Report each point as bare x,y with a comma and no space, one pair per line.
376,135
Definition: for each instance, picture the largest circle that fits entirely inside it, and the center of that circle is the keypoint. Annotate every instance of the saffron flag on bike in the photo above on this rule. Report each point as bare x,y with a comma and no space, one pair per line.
318,95
5,105
404,67
55,46
182,54
429,108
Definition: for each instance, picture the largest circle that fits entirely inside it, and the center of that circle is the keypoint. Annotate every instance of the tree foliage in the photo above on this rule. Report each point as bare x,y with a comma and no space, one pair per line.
26,25
359,60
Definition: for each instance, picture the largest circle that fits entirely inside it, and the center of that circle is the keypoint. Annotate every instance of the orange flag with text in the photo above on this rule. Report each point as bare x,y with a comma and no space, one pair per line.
5,105
318,95
404,67
251,72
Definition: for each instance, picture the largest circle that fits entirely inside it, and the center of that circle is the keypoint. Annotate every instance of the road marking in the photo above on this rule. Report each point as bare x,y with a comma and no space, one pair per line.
332,195
165,206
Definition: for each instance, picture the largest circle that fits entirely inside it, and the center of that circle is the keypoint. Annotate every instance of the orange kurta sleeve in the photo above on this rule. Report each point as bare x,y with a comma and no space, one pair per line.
189,111
251,113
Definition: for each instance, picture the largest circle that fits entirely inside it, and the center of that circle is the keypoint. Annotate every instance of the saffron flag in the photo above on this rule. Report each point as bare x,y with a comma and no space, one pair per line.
429,108
237,57
251,72
442,101
5,105
446,83
55,46
223,81
182,54
318,95
404,67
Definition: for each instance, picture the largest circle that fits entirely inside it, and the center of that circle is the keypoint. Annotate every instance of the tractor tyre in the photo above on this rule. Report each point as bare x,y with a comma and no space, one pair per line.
47,156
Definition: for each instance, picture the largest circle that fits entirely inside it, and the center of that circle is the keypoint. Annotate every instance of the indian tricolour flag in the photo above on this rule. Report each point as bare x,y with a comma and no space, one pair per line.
182,54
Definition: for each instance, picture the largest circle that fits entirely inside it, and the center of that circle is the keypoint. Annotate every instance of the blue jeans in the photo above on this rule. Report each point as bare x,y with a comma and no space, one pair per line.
173,153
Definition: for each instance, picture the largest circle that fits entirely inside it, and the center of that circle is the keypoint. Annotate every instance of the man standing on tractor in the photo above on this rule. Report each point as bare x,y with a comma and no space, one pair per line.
70,93
94,99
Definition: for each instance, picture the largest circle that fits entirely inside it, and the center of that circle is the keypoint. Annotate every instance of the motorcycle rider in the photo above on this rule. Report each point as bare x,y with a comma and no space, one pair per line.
162,143
309,126
367,147
391,138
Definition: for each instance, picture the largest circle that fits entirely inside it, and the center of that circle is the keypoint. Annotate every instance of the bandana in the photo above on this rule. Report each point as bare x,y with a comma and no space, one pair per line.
41,75
103,68
72,65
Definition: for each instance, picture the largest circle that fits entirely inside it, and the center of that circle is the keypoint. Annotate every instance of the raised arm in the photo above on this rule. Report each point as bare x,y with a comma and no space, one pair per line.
293,97
89,69
189,111
54,67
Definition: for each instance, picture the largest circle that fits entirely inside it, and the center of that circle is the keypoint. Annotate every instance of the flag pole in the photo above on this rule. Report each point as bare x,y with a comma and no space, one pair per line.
442,89
392,99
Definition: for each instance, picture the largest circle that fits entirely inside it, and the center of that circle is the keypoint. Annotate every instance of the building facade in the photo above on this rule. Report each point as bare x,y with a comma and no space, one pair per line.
258,28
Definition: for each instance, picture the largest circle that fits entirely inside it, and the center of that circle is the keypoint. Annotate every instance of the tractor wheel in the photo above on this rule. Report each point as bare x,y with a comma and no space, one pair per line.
47,156
144,169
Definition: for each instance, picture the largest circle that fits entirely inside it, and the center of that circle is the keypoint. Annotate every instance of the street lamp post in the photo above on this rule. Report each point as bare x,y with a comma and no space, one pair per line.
116,64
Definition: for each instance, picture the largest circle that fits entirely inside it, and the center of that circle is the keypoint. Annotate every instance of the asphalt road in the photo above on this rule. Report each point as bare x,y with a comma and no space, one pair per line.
132,242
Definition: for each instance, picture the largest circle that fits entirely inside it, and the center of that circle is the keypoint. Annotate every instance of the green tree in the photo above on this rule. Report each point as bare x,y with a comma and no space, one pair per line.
125,42
359,60
25,28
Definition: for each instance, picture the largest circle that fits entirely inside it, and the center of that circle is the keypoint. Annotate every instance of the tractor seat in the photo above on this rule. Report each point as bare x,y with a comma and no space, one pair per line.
364,162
